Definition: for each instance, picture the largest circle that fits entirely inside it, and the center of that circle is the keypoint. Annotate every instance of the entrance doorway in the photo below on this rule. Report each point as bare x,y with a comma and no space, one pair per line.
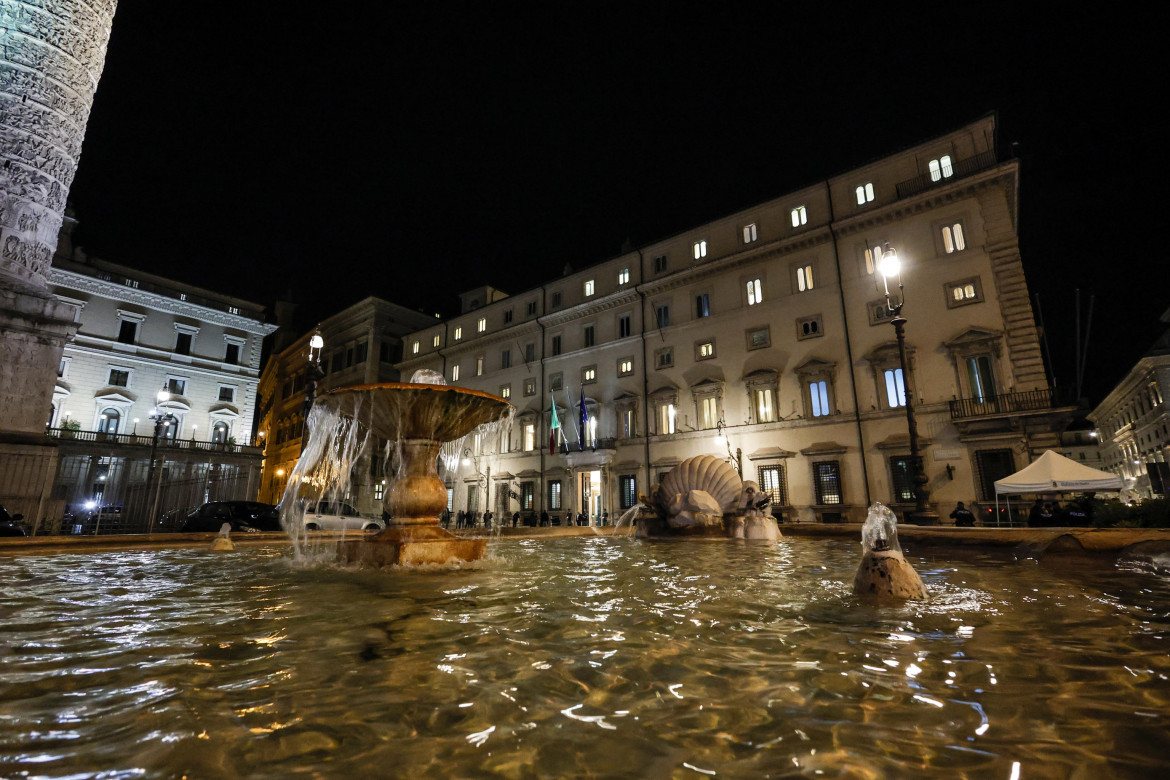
590,492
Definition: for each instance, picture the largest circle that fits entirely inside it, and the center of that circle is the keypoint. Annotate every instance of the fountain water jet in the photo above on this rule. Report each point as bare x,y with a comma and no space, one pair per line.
417,418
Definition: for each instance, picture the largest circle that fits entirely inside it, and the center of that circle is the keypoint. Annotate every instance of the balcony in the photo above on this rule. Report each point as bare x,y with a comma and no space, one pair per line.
144,440
1007,403
960,169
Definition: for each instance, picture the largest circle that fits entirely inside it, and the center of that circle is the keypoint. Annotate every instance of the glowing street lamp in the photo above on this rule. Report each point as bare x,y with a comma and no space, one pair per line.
162,421
891,267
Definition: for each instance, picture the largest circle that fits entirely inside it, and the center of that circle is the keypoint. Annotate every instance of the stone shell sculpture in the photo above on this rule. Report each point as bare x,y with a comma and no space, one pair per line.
699,491
884,572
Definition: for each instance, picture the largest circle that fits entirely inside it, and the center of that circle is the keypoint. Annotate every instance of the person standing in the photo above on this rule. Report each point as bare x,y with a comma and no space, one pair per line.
962,516
487,519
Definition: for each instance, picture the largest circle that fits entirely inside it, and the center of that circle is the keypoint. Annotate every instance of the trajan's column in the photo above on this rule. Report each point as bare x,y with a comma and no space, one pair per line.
51,57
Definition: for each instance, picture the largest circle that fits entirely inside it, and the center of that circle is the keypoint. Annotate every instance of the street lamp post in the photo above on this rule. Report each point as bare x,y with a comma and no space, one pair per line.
313,375
162,420
891,266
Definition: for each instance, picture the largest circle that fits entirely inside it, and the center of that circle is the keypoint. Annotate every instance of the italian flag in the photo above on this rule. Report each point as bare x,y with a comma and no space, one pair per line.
554,427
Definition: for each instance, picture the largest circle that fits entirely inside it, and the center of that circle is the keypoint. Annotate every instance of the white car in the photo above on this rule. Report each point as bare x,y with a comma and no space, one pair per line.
337,516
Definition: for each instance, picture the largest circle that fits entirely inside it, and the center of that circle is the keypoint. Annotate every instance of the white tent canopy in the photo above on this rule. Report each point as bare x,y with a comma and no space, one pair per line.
1054,473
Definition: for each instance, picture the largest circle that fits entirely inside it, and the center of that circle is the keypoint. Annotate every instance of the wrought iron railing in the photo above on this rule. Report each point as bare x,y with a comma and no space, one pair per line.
1006,403
959,169
141,440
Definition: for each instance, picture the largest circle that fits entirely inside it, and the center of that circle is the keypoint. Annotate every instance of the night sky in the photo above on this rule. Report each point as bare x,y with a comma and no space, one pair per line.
363,149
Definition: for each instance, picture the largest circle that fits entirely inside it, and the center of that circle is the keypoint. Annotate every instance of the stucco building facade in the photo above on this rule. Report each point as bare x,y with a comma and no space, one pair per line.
763,337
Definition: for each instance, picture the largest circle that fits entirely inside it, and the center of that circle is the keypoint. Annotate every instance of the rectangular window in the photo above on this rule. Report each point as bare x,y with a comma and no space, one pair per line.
479,365
629,423
506,358
379,490
481,325
664,358
703,305
182,343
895,388
941,168
556,381
127,331
709,412
873,259
666,415
176,386
588,375
590,288
979,379
455,373
662,315
527,494
338,361
531,309
590,340
507,316
952,236
361,352
809,327
529,387
554,494
660,264
119,378
624,276
435,340
625,367
556,300
755,292
629,490
773,481
864,193
819,395
624,326
556,345
700,249
529,437
749,233
765,406
505,391
799,216
227,394
705,350
804,278
529,352
759,338
992,465
827,479
902,479
413,347
458,333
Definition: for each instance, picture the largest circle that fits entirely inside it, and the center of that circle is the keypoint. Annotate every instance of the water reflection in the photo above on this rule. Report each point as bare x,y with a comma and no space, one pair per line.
578,657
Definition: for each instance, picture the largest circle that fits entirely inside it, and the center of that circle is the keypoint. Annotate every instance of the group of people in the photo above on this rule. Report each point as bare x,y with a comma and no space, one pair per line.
1045,514
472,518
569,519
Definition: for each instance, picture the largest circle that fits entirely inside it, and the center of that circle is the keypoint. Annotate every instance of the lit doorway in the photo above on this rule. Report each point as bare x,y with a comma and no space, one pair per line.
590,492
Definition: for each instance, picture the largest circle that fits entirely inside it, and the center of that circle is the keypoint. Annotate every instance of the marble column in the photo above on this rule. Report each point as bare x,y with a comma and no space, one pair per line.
51,56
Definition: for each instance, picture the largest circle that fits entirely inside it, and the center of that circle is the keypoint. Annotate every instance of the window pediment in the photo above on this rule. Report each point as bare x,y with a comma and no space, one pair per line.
768,377
115,395
822,448
771,453
887,353
224,410
665,394
815,368
975,339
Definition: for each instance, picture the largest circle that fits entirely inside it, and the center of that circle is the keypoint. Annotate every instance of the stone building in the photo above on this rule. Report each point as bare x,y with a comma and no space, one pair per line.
1133,425
764,337
139,334
362,345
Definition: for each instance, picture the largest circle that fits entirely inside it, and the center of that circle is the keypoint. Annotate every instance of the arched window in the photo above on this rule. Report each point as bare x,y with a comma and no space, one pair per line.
108,422
219,433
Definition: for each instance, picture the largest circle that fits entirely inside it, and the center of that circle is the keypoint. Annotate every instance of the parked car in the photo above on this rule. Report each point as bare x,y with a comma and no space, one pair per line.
8,524
244,516
338,516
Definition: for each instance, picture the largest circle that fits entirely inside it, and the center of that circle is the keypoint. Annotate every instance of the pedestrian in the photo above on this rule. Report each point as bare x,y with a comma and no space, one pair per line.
1047,517
460,519
487,519
543,518
581,519
962,516
515,519
1034,513
605,518
1077,516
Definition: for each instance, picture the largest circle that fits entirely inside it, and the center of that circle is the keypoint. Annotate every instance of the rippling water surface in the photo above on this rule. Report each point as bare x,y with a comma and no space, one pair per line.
579,658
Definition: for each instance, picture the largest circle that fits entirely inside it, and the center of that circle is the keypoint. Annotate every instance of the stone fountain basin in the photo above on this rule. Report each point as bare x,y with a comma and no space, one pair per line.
404,410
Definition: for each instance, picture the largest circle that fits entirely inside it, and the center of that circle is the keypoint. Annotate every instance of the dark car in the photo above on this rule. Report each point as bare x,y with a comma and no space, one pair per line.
245,516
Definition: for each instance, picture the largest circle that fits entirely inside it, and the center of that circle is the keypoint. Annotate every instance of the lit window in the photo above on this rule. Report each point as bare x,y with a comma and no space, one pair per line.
765,409
895,388
827,479
706,350
529,387
481,326
952,236
506,391
455,373
864,193
750,233
435,340
479,366
588,375
873,259
414,348
941,168
819,395
666,415
799,216
804,278
963,292
529,437
379,490
624,276
590,288
709,412
458,333
755,292
625,367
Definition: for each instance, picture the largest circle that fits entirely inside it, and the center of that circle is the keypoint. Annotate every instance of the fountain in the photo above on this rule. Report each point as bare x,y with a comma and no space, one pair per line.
884,573
416,418
705,496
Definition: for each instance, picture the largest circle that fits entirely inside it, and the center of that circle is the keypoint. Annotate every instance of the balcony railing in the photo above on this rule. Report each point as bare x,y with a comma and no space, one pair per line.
141,440
1007,403
960,169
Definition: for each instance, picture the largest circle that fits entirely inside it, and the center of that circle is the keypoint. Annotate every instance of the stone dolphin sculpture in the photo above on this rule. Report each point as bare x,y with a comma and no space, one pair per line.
884,572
